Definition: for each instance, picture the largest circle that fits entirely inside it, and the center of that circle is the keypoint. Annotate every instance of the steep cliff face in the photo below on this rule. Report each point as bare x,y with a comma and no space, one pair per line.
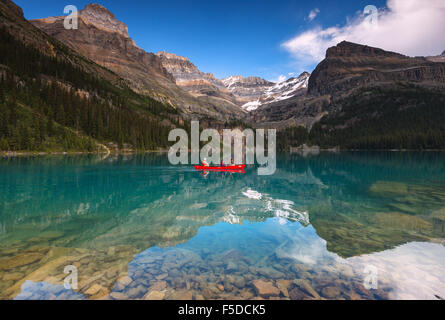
203,86
105,40
185,72
348,66
13,20
103,19
440,58
13,8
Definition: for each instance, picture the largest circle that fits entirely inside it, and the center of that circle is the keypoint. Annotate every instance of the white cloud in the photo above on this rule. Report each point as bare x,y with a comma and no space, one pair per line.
313,14
411,27
281,78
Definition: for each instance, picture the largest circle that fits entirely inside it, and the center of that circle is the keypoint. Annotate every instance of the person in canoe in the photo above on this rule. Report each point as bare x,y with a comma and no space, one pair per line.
226,165
205,163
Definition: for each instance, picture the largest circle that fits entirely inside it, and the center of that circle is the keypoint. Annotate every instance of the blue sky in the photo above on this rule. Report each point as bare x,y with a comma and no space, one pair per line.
224,37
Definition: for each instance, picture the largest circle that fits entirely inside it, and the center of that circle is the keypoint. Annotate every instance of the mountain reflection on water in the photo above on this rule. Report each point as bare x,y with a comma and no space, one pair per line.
136,227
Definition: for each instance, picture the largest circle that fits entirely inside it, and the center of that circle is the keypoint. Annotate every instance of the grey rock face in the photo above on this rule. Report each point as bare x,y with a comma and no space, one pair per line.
103,19
440,58
248,89
265,92
186,73
348,66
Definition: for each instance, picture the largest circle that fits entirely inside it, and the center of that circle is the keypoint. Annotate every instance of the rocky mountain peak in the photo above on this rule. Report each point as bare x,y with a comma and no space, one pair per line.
13,8
103,19
234,82
348,49
440,58
304,74
274,92
171,56
349,66
98,9
191,79
186,73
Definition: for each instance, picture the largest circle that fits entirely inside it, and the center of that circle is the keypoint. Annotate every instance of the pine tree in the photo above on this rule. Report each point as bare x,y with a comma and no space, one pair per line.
13,111
26,139
50,127
42,130
4,146
3,120
2,90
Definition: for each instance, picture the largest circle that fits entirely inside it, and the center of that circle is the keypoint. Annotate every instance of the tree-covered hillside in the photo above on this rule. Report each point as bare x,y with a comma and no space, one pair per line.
404,116
47,103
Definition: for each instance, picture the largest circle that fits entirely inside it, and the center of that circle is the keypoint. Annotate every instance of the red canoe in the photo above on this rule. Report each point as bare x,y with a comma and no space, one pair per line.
228,168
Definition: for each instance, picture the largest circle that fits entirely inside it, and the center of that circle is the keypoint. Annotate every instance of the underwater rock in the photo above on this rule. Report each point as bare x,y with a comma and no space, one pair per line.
158,286
19,260
360,289
181,295
233,254
299,267
231,266
136,291
154,295
270,273
119,296
101,295
94,289
13,276
439,215
239,282
283,285
207,293
47,236
297,294
111,273
404,208
401,221
265,289
124,281
174,273
330,292
246,294
146,259
197,206
389,188
306,287
162,276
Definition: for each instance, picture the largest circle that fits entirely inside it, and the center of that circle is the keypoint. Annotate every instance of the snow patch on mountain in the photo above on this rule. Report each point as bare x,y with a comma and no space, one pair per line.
280,91
251,106
231,81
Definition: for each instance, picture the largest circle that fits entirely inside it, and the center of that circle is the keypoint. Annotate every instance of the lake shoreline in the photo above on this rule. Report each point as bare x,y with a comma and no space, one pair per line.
12,154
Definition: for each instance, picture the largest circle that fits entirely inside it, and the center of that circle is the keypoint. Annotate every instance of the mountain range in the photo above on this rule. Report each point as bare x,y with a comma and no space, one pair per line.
164,76
357,97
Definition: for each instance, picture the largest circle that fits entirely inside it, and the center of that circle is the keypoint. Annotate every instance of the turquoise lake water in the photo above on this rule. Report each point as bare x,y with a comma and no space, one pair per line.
136,227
